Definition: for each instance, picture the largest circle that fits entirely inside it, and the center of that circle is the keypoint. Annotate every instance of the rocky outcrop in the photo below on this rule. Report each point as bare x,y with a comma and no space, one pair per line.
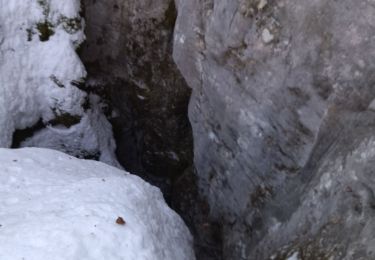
128,55
280,96
327,210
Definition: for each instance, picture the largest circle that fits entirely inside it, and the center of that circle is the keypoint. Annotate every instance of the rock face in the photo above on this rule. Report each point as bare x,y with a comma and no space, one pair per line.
282,131
327,211
128,54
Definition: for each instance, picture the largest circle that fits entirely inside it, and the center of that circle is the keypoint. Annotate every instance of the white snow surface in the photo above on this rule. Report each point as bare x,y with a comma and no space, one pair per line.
54,206
27,92
36,76
93,134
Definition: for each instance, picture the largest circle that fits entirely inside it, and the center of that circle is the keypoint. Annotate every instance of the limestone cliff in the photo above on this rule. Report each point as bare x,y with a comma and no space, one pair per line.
280,97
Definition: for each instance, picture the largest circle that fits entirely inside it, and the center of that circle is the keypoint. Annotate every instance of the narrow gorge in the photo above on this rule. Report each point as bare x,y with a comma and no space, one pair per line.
254,118
128,56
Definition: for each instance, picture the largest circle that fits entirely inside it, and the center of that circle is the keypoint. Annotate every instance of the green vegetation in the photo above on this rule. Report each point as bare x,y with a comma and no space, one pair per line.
45,30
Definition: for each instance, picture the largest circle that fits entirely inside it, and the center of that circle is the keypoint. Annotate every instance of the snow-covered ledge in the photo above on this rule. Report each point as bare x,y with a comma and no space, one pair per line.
54,206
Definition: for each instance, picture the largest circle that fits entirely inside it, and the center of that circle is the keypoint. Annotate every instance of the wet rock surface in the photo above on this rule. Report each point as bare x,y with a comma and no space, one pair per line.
281,91
331,202
128,55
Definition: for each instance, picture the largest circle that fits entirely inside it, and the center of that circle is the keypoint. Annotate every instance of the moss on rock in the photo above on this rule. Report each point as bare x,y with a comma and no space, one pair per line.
45,30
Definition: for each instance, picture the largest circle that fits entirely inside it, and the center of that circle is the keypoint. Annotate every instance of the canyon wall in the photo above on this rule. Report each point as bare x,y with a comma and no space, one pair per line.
281,113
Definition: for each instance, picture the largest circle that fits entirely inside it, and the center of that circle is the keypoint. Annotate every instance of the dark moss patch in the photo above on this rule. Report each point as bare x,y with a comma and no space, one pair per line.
22,134
90,156
45,30
57,81
71,25
65,119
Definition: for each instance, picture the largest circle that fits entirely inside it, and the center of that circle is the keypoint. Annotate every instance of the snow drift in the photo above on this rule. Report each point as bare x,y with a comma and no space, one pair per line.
54,206
41,77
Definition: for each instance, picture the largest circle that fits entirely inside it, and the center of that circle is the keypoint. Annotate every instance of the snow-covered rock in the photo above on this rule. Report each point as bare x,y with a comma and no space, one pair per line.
41,76
53,206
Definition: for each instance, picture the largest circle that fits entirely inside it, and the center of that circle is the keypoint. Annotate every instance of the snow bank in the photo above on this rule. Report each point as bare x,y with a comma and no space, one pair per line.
41,76
54,206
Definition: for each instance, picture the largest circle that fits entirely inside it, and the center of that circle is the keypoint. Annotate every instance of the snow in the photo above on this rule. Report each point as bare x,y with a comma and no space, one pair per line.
92,134
26,67
54,206
294,256
37,75
267,37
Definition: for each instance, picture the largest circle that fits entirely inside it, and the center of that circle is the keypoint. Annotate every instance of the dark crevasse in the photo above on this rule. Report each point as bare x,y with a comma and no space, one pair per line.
129,62
128,56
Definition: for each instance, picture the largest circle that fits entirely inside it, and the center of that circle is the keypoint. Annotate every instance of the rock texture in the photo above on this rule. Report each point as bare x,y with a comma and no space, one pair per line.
128,55
282,128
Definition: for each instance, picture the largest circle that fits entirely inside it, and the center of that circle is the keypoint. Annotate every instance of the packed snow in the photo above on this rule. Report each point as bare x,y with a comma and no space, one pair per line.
92,135
40,75
54,206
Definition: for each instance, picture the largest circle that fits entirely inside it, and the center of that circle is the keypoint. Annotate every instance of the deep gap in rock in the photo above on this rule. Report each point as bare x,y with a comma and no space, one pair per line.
128,56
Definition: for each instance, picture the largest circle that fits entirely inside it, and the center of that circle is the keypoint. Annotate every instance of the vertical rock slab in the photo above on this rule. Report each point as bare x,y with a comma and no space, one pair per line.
58,207
264,76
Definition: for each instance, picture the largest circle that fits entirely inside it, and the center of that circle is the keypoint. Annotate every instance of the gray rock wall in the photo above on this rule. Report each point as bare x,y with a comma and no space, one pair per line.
326,212
274,82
